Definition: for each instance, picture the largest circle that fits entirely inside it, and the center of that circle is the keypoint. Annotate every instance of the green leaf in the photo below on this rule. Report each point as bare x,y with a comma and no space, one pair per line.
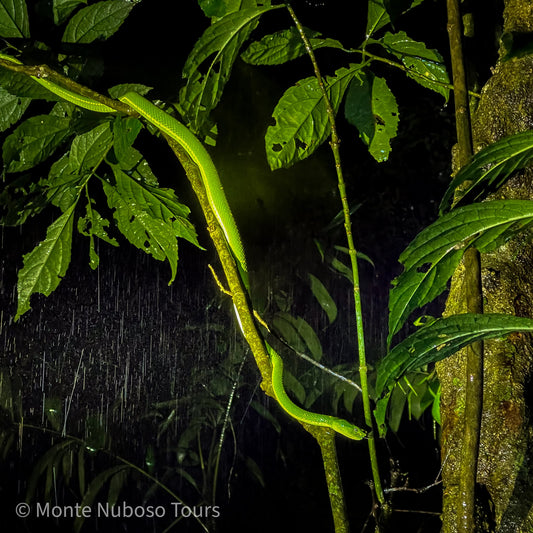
33,141
324,298
343,269
150,218
81,469
97,21
266,414
443,338
11,108
89,149
47,462
63,8
63,187
423,65
115,486
301,120
125,131
94,225
372,109
298,334
489,169
93,489
47,263
219,8
432,257
219,47
120,90
379,12
14,19
285,45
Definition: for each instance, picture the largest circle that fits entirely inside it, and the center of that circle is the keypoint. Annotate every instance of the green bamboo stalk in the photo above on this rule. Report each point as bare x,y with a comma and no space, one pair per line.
474,296
335,142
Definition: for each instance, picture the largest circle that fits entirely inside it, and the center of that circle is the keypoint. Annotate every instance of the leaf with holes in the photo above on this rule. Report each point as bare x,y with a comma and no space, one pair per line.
372,109
432,257
424,65
301,119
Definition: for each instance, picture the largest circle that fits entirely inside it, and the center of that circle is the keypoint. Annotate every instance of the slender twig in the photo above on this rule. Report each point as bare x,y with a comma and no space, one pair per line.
71,395
224,427
465,507
335,142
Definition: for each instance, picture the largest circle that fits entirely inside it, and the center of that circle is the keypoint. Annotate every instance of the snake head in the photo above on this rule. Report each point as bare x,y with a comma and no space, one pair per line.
348,430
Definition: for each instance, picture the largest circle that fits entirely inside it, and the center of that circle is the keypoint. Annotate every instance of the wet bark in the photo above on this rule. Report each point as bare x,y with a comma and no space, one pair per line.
504,493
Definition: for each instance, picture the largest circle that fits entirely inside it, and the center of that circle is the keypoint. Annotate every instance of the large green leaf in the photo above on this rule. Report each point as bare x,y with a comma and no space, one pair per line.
489,169
301,120
424,65
218,47
323,297
14,19
283,46
443,338
150,218
432,257
372,109
97,21
33,141
47,263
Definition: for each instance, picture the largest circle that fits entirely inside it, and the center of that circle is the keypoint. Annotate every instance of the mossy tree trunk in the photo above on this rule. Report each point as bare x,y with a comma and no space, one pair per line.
504,492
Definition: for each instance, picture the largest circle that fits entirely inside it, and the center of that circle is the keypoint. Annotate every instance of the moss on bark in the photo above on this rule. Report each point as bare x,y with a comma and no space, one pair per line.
505,493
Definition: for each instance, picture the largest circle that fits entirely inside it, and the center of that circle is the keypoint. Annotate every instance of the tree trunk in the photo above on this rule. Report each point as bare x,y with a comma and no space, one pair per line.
504,493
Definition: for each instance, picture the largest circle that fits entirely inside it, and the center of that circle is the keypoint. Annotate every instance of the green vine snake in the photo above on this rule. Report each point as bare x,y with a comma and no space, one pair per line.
219,204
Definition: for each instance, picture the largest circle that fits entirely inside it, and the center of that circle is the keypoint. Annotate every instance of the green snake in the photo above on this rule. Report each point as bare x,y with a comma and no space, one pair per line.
219,204
307,417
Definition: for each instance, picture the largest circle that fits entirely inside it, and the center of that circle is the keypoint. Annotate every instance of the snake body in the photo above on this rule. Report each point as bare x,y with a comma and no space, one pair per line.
307,417
219,204
196,151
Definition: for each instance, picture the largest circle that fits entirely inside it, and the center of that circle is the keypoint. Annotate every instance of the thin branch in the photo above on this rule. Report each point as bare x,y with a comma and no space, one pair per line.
335,142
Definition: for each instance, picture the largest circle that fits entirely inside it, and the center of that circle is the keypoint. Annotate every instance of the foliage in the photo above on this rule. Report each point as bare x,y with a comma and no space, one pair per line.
88,156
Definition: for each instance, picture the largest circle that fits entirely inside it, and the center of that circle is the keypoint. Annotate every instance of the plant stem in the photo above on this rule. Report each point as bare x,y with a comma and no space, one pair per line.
474,296
233,277
335,142
326,441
